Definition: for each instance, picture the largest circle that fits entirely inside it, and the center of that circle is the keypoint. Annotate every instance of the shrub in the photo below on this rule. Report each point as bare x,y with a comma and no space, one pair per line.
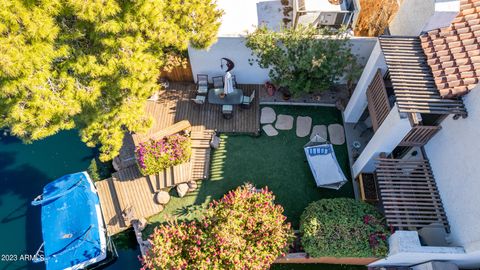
343,227
155,156
302,61
99,170
243,230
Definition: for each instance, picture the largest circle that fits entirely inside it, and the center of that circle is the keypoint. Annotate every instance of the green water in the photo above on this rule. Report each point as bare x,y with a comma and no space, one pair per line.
24,170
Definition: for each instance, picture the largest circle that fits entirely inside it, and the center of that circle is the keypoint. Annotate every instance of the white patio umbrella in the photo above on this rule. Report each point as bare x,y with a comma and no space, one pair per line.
228,87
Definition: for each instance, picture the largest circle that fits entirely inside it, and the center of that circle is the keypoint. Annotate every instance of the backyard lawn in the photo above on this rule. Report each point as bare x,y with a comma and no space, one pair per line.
277,162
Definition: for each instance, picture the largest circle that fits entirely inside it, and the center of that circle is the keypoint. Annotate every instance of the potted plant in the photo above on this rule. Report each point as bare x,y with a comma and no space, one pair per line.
285,93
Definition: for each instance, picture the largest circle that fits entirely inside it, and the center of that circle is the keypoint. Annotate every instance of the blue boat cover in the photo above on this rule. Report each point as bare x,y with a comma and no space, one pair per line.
72,224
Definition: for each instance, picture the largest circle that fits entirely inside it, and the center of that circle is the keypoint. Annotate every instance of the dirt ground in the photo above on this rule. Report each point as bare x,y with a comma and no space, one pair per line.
375,16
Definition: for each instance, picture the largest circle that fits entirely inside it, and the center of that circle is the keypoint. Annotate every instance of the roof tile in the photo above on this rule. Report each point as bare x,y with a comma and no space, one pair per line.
453,52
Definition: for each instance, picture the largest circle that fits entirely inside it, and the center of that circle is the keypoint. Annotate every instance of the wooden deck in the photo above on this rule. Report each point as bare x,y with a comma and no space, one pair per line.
129,189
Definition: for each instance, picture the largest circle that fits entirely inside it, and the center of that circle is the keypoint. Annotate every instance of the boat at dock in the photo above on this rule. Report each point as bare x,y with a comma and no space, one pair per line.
73,229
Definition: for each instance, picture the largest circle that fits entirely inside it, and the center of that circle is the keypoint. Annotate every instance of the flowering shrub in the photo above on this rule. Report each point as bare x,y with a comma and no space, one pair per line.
343,227
155,156
243,230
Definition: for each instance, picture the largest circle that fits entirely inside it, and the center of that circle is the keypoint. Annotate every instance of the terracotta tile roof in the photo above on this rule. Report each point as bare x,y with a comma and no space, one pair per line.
453,52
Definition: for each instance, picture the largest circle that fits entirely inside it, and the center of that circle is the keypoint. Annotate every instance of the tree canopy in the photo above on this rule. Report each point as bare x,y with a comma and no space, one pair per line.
304,58
92,64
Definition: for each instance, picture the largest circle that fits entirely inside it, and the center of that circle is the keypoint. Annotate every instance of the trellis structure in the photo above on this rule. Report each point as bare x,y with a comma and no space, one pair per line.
409,194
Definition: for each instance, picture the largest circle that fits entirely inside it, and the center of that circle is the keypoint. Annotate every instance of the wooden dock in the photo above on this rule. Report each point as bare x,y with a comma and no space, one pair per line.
129,189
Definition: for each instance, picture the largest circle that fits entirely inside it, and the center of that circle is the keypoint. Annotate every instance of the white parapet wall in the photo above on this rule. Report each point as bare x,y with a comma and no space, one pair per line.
247,71
386,138
358,102
405,249
417,16
208,61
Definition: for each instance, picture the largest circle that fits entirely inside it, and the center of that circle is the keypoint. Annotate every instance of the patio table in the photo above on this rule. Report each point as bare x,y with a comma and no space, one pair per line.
231,99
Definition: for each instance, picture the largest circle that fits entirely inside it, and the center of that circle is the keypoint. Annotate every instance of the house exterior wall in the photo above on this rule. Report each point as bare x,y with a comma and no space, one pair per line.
386,138
454,156
415,16
233,48
358,102
208,61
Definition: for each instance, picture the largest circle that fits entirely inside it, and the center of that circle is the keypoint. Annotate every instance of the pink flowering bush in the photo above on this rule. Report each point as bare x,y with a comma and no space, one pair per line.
155,156
243,230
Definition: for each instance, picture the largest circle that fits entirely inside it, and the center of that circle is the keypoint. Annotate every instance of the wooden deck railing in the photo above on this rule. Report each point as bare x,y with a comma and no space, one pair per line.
419,135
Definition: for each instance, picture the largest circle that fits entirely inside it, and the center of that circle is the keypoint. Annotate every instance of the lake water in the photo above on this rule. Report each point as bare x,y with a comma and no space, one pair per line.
24,170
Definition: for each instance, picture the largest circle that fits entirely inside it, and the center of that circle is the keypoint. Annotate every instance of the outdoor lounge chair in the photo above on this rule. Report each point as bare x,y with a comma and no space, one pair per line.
202,83
247,100
227,111
217,82
323,163
199,100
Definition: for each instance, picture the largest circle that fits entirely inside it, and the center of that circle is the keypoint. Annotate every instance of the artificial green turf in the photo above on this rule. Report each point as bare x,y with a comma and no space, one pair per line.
277,162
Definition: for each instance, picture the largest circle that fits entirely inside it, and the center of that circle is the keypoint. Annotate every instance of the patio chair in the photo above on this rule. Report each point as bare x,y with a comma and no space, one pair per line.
199,100
202,83
227,111
247,100
217,82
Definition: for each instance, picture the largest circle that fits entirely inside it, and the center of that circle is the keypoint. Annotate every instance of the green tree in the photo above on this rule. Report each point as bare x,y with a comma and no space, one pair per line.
303,59
92,64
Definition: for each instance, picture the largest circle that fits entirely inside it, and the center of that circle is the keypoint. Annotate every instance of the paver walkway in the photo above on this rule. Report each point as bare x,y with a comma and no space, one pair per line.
320,130
284,122
336,134
304,124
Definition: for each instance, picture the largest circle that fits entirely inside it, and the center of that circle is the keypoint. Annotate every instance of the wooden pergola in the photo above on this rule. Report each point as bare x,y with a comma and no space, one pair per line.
412,78
409,194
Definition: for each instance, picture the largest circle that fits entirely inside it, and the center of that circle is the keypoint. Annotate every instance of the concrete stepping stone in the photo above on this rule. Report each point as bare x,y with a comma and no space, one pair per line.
267,115
337,134
270,130
304,124
284,122
320,130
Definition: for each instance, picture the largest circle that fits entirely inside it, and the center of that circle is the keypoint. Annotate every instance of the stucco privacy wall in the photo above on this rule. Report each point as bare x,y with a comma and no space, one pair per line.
208,61
454,155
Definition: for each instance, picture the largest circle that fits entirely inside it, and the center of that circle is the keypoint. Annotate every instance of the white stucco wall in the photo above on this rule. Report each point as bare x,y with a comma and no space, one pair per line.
405,250
358,102
233,48
208,61
454,155
386,138
415,16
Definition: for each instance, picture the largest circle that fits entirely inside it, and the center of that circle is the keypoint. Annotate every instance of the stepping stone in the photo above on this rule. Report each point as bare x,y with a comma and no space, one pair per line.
320,130
336,133
182,189
162,197
304,124
284,122
270,130
267,115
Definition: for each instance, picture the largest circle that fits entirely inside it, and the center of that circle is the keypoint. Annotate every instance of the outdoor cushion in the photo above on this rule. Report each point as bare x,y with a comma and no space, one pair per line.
202,89
227,108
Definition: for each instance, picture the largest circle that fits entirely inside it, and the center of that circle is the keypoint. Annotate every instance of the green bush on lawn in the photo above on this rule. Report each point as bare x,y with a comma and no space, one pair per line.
343,227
